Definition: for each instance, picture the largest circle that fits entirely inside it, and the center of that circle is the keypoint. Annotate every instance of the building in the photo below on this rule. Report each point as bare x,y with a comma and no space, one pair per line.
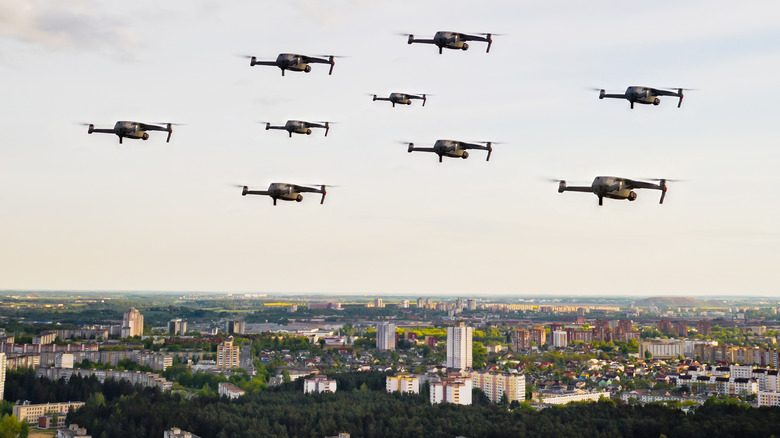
420,303
175,432
495,386
704,328
403,383
459,347
177,327
404,304
2,376
45,337
33,412
378,303
768,398
73,431
135,377
385,336
237,327
538,336
229,390
132,323
664,326
561,398
662,348
681,329
454,389
228,355
559,339
521,340
318,384
63,360
471,304
726,385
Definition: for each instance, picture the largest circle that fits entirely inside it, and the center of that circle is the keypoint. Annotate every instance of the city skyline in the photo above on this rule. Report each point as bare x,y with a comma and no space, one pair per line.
84,213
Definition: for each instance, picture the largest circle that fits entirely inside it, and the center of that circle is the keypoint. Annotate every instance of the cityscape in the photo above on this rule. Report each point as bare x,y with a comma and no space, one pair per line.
406,219
67,357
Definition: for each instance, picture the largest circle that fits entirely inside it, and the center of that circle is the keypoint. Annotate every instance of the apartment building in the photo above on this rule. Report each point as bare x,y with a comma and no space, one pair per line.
403,383
495,386
454,389
459,347
318,384
228,355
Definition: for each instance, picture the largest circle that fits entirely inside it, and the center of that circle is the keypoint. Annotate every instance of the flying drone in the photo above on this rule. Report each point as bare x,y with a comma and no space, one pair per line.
133,130
402,98
300,127
615,188
294,62
453,148
644,95
286,192
453,40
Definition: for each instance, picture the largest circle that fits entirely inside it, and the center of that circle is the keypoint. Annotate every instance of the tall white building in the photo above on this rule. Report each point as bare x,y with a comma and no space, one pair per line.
459,346
132,323
385,336
2,375
559,339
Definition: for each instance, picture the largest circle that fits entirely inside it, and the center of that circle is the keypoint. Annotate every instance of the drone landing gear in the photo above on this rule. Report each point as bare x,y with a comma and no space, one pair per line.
440,157
274,201
632,105
601,200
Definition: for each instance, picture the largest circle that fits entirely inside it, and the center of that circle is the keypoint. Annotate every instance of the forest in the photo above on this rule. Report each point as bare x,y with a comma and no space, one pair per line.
362,408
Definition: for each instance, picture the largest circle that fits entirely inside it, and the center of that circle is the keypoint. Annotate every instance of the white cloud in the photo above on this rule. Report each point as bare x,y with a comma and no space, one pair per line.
57,25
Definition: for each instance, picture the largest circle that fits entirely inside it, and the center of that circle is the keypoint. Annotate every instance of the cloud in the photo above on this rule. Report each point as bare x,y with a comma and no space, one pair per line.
57,25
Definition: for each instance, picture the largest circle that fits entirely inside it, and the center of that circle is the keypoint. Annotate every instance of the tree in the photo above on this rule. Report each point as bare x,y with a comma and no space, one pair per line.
10,427
648,354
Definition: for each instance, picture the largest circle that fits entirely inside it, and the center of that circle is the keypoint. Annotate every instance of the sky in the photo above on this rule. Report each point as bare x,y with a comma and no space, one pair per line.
81,212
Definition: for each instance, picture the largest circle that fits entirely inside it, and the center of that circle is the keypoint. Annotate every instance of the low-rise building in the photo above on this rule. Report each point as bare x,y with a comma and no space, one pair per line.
176,432
453,388
768,398
563,397
318,384
33,412
403,383
230,390
135,377
73,431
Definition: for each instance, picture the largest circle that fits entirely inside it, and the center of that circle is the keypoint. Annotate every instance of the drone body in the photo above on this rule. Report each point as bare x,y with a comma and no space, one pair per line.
643,95
295,62
285,192
453,149
300,127
134,130
402,98
615,188
453,40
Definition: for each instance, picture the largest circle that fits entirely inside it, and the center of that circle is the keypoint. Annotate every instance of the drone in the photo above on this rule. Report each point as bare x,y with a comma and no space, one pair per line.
294,62
402,98
644,95
286,192
615,188
300,127
454,40
133,130
453,148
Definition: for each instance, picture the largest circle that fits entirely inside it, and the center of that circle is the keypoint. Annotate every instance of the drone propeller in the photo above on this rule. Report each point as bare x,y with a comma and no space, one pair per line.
662,184
168,125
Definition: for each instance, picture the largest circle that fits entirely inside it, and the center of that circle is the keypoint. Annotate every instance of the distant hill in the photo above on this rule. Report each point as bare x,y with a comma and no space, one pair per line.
671,302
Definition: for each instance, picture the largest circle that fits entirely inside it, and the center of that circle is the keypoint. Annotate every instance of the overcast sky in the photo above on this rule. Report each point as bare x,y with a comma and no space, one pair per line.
81,212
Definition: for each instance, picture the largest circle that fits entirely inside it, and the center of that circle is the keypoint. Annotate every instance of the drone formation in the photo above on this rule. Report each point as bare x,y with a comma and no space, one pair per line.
602,186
